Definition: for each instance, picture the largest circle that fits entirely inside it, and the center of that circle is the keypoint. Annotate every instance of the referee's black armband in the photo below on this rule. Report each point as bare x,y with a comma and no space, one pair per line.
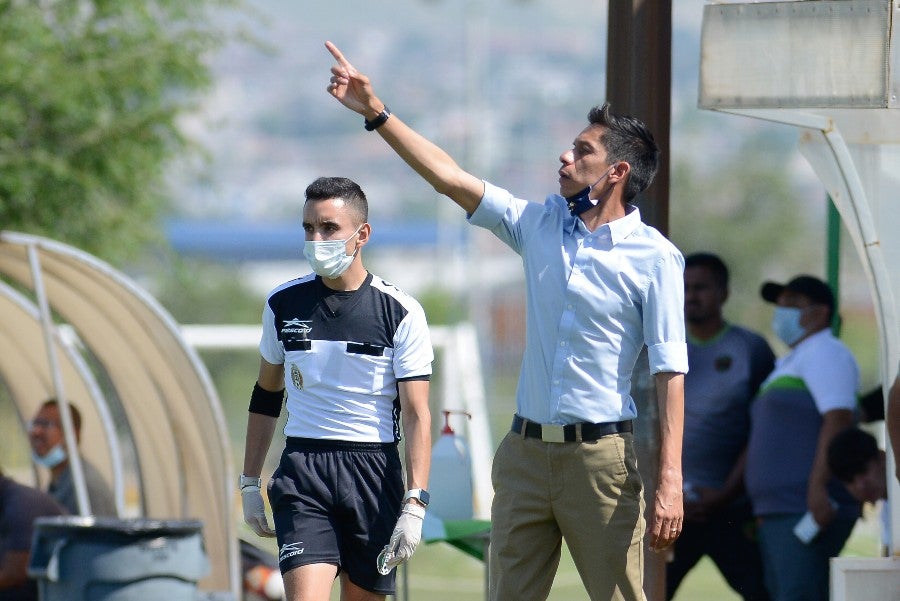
265,402
424,378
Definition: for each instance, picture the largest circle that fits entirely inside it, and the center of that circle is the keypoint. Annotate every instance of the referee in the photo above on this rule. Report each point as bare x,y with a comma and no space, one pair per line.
354,355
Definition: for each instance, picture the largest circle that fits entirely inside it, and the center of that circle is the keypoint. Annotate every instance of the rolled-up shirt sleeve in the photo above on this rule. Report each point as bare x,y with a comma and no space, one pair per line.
492,207
664,331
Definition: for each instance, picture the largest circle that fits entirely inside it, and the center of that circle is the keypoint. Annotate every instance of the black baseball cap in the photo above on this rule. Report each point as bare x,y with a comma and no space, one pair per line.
811,287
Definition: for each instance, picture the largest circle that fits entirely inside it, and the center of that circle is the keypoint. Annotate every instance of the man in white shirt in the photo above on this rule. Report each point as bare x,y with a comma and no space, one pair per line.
808,398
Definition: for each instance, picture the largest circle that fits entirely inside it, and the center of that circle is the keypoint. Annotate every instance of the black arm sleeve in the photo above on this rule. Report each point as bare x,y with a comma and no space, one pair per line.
266,402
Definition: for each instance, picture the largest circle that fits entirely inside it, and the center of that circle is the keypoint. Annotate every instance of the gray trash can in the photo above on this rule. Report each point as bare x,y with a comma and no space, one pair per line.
76,558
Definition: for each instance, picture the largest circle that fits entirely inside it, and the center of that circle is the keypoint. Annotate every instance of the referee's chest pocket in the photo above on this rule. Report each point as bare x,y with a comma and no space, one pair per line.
304,368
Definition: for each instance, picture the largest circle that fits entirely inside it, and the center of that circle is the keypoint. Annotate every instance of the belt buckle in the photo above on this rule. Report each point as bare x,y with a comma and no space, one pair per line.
553,433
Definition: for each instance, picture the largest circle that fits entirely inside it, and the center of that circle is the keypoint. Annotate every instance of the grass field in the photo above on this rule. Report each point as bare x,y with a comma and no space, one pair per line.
439,572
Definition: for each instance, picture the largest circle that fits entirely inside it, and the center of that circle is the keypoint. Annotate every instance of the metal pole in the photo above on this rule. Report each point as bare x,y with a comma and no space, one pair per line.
47,326
833,262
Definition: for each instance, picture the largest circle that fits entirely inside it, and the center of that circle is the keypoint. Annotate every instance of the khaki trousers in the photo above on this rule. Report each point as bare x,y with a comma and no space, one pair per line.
588,493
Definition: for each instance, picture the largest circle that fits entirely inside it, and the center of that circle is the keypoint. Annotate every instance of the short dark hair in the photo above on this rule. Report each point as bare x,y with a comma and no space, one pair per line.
325,188
628,139
73,410
712,262
850,452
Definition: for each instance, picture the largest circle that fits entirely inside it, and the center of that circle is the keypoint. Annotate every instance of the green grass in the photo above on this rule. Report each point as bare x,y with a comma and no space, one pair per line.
439,572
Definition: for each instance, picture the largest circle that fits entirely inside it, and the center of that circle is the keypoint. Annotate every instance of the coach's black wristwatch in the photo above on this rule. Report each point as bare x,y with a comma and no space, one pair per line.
419,494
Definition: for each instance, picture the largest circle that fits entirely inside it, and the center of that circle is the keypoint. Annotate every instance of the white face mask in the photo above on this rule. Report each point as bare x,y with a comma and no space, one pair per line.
54,457
329,258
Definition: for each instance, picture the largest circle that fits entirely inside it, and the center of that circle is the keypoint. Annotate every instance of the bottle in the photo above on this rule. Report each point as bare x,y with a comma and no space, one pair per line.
450,479
807,528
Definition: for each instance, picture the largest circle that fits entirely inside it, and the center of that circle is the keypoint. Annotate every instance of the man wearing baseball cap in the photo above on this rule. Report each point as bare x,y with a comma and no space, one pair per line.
808,398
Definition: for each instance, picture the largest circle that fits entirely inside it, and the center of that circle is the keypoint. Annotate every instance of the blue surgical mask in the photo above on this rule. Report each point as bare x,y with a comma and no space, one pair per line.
786,325
329,258
581,201
54,457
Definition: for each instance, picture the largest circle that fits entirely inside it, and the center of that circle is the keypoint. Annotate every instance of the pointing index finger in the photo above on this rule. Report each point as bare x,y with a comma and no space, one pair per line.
337,55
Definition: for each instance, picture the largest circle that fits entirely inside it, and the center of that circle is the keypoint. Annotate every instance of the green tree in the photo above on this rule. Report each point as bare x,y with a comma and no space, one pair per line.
91,94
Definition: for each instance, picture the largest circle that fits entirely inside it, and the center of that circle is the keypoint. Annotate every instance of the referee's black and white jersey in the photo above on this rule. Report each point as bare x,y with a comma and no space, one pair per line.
343,354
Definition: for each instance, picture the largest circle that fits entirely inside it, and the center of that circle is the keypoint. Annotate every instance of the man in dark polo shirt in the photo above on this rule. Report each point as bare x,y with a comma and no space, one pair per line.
728,364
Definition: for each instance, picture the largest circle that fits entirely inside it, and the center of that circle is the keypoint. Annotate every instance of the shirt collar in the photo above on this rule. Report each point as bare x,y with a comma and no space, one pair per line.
823,333
619,229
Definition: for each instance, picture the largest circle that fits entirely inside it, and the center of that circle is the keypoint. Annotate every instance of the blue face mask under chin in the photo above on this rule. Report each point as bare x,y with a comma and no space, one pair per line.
581,201
54,457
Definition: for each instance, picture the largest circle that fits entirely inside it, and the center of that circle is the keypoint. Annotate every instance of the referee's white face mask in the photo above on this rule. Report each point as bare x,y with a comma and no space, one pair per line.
329,258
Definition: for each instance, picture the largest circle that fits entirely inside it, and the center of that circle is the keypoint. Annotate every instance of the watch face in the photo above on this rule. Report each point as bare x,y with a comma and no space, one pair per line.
418,493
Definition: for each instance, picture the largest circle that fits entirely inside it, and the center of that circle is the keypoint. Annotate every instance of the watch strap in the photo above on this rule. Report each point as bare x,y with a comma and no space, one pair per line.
419,494
377,121
245,481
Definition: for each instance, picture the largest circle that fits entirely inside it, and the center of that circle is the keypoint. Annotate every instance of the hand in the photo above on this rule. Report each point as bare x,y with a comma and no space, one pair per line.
255,511
820,505
404,539
350,87
668,514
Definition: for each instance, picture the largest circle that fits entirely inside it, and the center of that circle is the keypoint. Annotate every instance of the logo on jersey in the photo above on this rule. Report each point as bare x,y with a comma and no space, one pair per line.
723,363
297,326
289,550
296,377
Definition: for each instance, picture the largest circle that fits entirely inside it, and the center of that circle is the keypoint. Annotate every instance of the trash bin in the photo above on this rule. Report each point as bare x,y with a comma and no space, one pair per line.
75,558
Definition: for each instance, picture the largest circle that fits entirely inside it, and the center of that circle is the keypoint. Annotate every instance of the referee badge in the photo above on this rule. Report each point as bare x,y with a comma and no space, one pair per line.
296,377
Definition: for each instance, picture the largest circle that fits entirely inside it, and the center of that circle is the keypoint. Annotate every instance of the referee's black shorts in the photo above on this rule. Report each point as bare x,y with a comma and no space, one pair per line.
337,502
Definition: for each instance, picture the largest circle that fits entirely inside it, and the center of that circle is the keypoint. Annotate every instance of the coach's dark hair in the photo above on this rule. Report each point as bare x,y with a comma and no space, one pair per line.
712,262
340,187
628,139
850,452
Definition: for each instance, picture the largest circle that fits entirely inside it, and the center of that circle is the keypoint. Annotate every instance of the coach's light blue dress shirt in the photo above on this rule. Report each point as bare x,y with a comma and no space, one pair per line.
593,300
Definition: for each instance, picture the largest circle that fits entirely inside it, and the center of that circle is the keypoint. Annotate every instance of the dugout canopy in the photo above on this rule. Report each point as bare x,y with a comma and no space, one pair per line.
74,328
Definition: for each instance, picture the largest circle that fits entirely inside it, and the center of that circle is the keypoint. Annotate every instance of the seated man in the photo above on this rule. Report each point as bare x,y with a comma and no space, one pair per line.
48,446
855,459
19,506
893,420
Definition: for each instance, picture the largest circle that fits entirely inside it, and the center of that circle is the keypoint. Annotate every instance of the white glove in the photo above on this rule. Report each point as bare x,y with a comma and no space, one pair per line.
404,539
255,511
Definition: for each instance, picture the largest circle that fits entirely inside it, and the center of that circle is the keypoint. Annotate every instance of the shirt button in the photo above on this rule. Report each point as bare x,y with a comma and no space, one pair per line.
556,381
570,307
562,343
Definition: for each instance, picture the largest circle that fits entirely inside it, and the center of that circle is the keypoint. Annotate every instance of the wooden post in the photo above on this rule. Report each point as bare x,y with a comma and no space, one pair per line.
638,83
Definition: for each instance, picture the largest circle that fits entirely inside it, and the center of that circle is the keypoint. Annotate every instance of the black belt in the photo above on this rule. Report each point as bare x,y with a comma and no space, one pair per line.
580,432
